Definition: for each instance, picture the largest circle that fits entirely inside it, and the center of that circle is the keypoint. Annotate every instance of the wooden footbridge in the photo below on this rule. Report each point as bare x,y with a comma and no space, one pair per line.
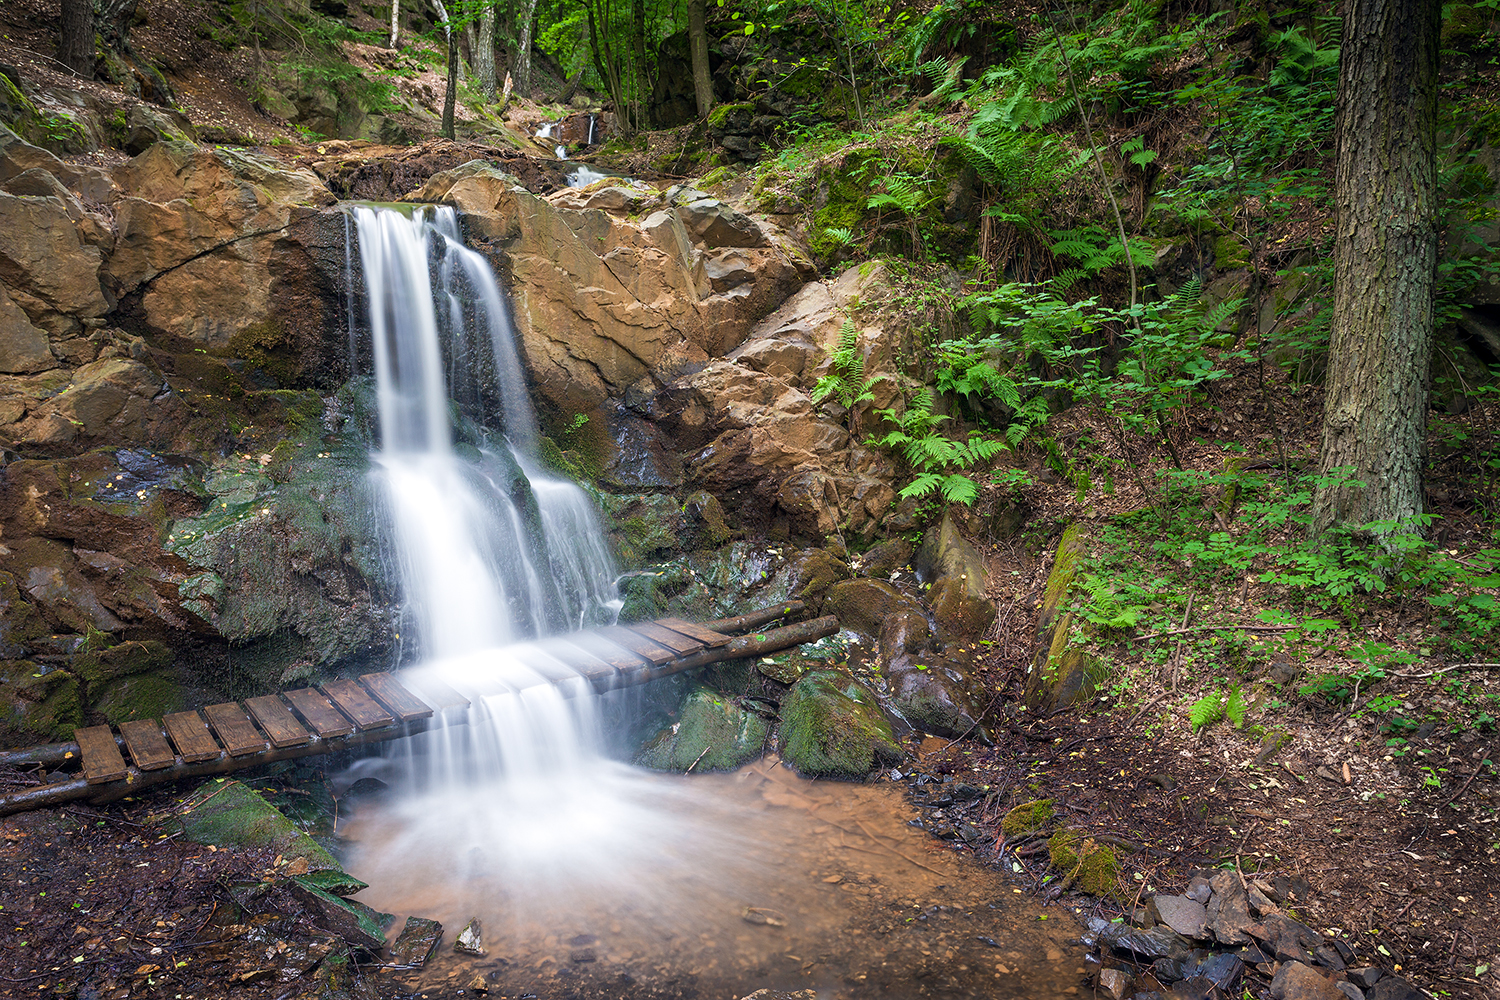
341,714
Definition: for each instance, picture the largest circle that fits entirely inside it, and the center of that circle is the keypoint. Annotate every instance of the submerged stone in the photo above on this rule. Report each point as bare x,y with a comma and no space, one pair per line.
470,940
419,939
832,726
712,733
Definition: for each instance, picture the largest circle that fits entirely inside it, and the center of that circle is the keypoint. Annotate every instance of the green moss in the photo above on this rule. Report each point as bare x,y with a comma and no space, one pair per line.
1093,868
40,702
1029,817
712,734
1064,569
718,115
227,813
831,725
847,200
718,175
266,347
127,658
1230,253
144,696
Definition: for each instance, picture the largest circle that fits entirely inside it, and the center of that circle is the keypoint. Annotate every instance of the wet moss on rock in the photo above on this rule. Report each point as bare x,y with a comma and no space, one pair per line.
1028,817
1089,866
712,733
228,813
832,726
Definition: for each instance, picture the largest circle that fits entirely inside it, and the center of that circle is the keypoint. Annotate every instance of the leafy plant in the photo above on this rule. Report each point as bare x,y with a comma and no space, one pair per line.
845,381
1219,704
941,463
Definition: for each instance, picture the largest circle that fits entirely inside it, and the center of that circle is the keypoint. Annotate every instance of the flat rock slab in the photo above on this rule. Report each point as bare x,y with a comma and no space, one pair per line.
1156,942
1183,915
418,940
1394,988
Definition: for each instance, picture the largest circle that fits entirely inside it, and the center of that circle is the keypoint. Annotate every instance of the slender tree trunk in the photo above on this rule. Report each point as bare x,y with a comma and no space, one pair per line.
608,67
395,23
1375,409
525,25
703,81
450,96
484,52
76,42
638,59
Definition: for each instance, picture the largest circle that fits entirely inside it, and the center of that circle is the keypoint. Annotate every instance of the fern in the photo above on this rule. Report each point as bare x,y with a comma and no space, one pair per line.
1235,707
1206,711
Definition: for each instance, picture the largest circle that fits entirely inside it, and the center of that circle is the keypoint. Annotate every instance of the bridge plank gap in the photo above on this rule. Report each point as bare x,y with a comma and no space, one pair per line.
190,735
354,702
101,756
234,729
319,713
393,696
278,721
622,636
147,746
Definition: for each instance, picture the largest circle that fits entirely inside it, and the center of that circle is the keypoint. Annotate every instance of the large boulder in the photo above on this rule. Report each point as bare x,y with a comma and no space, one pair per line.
865,605
832,726
712,733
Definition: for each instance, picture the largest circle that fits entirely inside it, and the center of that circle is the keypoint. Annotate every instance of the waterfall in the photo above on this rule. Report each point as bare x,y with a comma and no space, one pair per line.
491,548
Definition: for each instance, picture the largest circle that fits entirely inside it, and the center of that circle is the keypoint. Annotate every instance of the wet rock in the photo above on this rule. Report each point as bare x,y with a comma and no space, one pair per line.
864,605
1366,976
1153,942
884,559
148,124
470,940
332,880
1183,915
935,693
1197,988
1223,970
903,634
39,700
227,813
1030,817
1296,981
478,984
946,553
360,925
815,571
1350,990
763,916
831,725
1229,910
769,994
712,733
958,610
419,939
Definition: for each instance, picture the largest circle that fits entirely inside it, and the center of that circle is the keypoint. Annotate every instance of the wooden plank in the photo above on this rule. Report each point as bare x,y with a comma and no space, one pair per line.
234,729
675,641
101,757
587,663
318,713
147,746
607,651
190,735
439,695
358,705
621,636
393,696
278,721
706,636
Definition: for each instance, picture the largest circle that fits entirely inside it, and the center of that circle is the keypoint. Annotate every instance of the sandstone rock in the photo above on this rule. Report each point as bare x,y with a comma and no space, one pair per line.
946,553
831,726
935,693
1296,981
47,269
23,348
864,605
419,939
715,224
902,633
1115,982
107,394
147,124
957,610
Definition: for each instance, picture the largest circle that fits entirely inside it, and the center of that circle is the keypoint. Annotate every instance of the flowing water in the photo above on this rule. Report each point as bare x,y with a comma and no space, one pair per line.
590,877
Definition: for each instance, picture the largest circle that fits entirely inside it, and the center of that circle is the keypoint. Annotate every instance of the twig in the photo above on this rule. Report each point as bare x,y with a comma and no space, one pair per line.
1177,653
1466,784
1444,670
1213,628
698,758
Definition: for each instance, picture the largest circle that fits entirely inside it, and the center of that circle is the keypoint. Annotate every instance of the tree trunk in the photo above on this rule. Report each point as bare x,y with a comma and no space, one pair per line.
642,94
484,53
395,23
525,23
703,81
450,96
76,43
1375,408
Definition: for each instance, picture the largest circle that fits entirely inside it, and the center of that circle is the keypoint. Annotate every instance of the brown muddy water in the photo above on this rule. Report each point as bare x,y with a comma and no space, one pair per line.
705,886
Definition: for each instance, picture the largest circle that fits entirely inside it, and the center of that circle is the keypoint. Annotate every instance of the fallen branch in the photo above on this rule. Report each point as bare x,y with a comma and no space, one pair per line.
1213,628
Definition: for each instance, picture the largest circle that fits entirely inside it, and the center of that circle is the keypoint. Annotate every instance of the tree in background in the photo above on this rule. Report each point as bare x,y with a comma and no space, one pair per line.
76,45
450,97
1375,411
703,82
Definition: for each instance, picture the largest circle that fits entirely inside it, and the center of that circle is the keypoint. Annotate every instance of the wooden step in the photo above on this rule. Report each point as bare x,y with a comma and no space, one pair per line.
147,746
623,637
190,735
675,641
101,756
319,713
393,696
355,702
704,635
234,729
278,721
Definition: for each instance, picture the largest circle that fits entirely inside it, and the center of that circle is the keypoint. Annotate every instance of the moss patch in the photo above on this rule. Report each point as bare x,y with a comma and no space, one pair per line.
1093,868
712,734
832,726
224,812
144,696
1029,817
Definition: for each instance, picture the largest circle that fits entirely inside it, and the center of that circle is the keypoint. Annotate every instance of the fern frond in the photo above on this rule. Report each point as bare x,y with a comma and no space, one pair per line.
1206,710
1235,706
959,489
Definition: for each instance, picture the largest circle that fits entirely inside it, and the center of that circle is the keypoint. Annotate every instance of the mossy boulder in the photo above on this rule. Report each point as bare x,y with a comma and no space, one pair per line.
123,660
815,571
958,611
1028,817
712,733
38,701
140,696
228,813
1063,673
936,693
864,605
20,621
704,522
1092,868
832,726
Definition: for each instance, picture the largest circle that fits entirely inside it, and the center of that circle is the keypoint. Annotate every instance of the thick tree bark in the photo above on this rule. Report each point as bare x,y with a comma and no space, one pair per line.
76,43
483,48
642,95
525,23
1375,409
703,81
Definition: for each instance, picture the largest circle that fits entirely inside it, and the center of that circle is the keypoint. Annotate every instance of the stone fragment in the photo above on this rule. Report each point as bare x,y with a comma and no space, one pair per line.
1350,990
1197,988
1296,981
23,347
1223,969
419,939
1394,988
478,984
1115,982
470,940
884,559
1183,915
1229,910
1199,890
1329,958
1154,942
1366,976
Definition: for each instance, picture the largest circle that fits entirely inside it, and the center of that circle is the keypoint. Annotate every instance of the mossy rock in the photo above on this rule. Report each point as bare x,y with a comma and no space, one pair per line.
832,726
123,660
227,813
39,702
140,696
1093,868
1028,817
645,593
712,734
706,527
1065,565
20,621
